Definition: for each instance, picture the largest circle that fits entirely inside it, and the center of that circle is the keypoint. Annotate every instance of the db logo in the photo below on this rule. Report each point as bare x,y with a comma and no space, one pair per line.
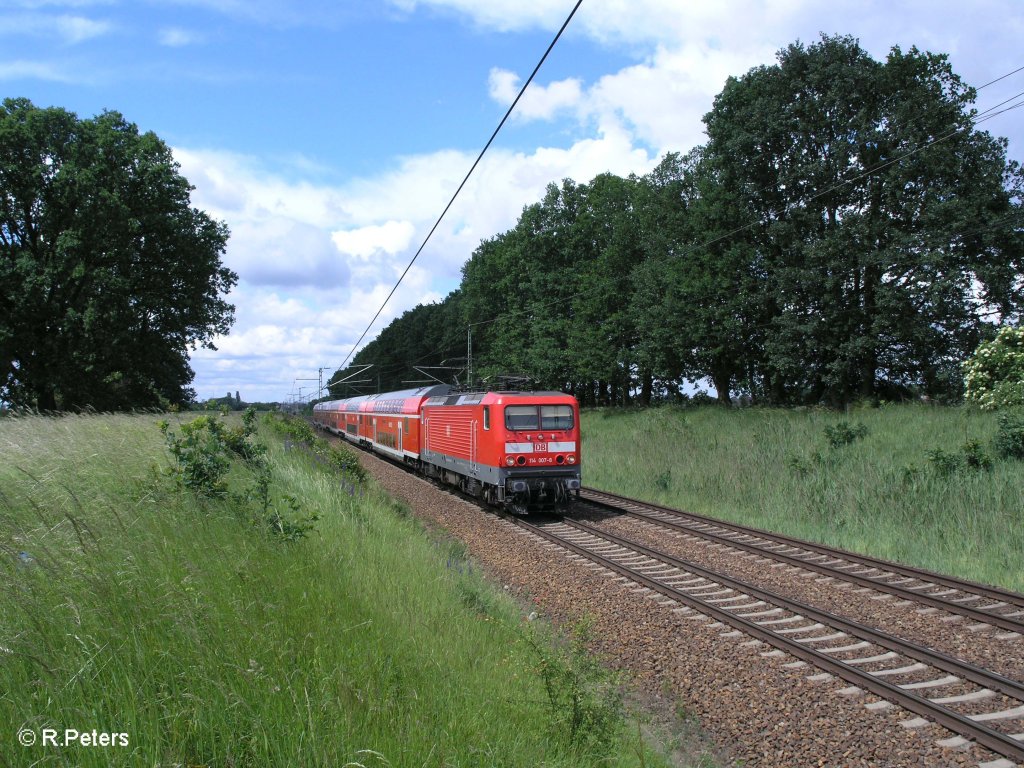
540,447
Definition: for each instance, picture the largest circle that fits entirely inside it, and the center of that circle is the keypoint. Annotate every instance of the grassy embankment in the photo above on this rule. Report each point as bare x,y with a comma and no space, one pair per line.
885,493
130,604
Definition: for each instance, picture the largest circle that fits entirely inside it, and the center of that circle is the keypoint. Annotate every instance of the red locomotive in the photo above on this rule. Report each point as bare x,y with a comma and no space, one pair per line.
517,449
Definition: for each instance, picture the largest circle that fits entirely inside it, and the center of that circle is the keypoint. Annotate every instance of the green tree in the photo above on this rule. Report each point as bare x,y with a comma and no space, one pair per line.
108,276
885,228
698,295
604,240
425,336
517,290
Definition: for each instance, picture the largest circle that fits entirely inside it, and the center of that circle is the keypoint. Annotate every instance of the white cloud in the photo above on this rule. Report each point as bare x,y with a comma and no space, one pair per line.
35,70
281,252
176,37
390,237
539,102
629,22
664,99
235,186
503,85
76,29
502,15
349,244
351,240
70,30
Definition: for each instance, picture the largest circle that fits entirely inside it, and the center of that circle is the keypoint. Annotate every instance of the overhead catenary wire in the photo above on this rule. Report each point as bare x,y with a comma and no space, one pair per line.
469,173
1001,77
974,120
982,116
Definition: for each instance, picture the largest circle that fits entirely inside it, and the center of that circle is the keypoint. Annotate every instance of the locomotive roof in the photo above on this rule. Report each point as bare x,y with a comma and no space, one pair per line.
438,394
490,396
404,394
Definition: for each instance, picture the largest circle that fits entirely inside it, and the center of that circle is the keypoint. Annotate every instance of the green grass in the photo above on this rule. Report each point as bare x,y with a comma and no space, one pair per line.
775,469
130,605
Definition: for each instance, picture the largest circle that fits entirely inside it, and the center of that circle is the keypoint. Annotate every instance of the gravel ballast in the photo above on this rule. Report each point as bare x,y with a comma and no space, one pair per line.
760,707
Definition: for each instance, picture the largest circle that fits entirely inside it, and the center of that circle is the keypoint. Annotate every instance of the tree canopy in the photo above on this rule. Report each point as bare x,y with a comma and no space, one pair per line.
108,275
846,232
885,230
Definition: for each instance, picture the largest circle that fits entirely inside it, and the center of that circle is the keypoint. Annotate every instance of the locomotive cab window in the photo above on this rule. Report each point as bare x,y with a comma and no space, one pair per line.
487,417
521,417
556,417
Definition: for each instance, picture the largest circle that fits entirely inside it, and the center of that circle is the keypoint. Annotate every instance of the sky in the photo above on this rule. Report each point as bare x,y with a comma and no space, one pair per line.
330,134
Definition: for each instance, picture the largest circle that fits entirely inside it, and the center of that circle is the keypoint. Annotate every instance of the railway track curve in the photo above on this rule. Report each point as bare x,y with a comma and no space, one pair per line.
974,704
978,602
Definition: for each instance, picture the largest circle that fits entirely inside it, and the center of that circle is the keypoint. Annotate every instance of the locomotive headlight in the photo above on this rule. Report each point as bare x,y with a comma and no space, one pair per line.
510,460
571,458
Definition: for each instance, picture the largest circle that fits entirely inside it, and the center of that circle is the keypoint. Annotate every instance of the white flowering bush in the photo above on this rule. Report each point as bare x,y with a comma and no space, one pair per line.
994,374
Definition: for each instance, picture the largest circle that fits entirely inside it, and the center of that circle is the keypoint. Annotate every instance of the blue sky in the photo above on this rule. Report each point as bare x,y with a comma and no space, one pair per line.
330,135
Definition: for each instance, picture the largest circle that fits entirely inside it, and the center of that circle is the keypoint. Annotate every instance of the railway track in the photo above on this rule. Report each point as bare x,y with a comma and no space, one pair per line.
971,702
979,603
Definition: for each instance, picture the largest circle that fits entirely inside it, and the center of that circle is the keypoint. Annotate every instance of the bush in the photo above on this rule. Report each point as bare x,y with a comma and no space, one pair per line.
975,456
200,455
1009,440
971,456
994,374
798,464
583,699
203,458
844,433
700,397
944,464
339,459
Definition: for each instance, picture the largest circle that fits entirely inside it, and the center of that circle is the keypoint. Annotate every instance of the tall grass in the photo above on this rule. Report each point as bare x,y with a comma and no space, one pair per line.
130,605
886,493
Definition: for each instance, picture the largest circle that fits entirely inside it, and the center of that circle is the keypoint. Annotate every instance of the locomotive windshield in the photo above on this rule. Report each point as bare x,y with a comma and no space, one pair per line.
521,417
556,417
534,417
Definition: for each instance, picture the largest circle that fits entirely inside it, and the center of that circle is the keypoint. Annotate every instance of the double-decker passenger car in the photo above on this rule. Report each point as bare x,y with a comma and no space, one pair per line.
517,449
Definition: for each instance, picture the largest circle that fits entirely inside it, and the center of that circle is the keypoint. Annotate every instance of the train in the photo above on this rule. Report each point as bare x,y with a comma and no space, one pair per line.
518,450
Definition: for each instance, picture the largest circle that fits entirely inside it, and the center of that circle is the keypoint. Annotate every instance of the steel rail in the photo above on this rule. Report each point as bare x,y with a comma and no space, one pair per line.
982,616
938,579
960,724
936,659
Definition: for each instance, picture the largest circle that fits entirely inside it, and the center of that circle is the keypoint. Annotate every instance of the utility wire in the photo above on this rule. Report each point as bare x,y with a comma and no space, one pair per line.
976,119
981,117
464,180
1002,77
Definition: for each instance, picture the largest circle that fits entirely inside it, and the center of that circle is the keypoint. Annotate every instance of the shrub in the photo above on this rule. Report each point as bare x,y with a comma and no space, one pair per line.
971,456
975,456
1009,440
845,433
994,374
798,464
203,457
583,699
339,459
663,480
909,473
944,464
